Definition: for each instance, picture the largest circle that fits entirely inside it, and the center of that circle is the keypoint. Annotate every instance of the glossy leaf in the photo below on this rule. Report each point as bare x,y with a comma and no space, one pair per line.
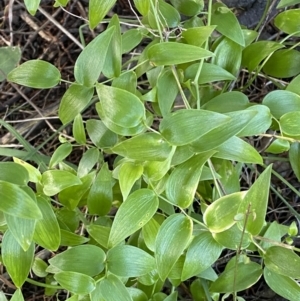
75,99
150,231
126,81
188,175
282,285
54,181
17,296
129,261
258,51
287,21
148,147
294,156
282,261
131,38
60,154
47,232
32,6
100,196
201,254
132,215
198,35
35,74
88,161
13,173
193,125
39,267
278,146
99,233
290,123
172,238
188,7
167,53
284,3
281,102
15,201
244,276
89,63
9,58
120,106
16,261
255,203
294,85
78,130
227,23
220,215
70,239
75,282
34,174
85,259
98,9
237,149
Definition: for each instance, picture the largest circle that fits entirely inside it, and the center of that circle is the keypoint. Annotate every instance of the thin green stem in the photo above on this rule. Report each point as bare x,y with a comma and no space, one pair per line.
186,103
44,284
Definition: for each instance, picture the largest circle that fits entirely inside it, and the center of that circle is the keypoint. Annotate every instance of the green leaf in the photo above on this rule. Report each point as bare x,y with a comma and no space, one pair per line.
113,60
258,51
281,102
120,106
98,9
75,282
237,279
290,123
284,3
294,156
100,197
147,146
188,175
150,231
47,232
78,130
201,254
22,229
287,21
129,173
34,174
220,215
100,135
17,296
9,58
35,74
172,238
282,261
131,38
70,239
132,215
237,149
188,7
254,205
85,259
16,261
126,81
283,63
54,181
89,63
193,125
99,233
278,146
294,85
62,152
168,15
32,6
198,35
75,99
88,161
13,173
15,201
282,285
167,53
227,23
39,267
137,294
110,288
129,261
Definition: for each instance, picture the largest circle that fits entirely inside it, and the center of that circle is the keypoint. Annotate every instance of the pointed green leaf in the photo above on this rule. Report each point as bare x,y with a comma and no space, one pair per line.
129,261
47,232
35,74
85,259
75,282
99,233
278,146
167,53
143,6
17,296
201,254
198,35
60,154
9,58
15,201
131,38
129,173
78,130
290,123
16,261
282,285
13,173
239,279
255,202
32,6
227,23
120,106
54,181
70,239
287,21
294,156
188,175
193,124
133,214
220,215
148,147
294,85
101,196
150,231
34,174
75,99
39,267
88,161
284,3
89,63
282,261
172,238
22,229
188,7
98,9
